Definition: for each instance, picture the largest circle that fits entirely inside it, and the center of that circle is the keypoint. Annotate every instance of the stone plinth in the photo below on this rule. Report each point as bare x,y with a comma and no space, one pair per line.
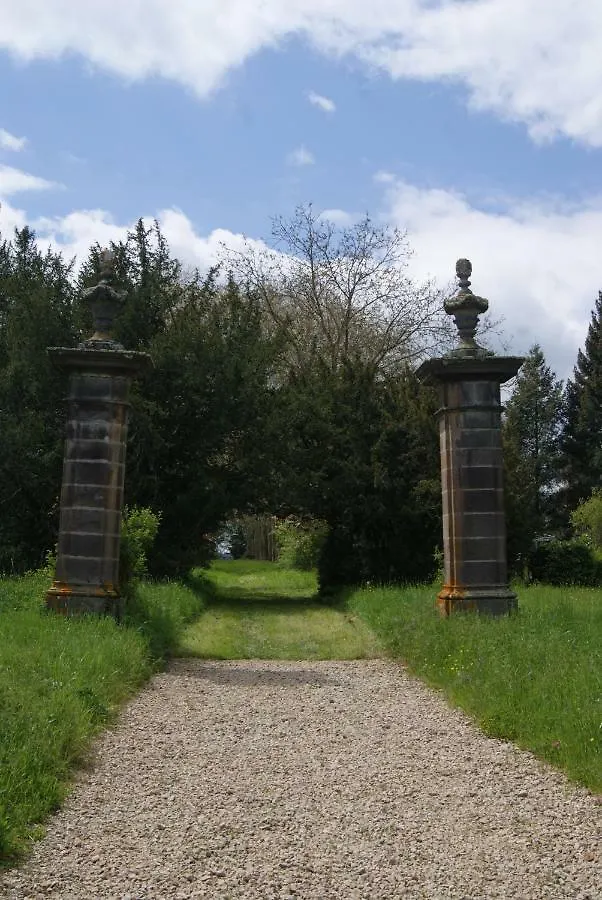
87,573
474,530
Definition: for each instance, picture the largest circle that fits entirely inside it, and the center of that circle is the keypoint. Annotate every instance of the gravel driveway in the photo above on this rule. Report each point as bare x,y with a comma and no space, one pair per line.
311,780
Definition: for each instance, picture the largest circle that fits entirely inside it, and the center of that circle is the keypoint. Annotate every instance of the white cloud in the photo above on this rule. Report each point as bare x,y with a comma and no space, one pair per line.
10,218
12,181
323,103
537,263
301,157
383,177
9,141
339,217
195,250
75,233
527,60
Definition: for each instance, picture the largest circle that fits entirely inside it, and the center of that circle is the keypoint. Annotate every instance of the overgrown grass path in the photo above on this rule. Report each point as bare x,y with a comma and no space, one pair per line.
261,611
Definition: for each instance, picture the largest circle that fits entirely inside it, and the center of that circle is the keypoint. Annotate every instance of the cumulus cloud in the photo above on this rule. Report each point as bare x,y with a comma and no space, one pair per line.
301,157
9,141
11,218
384,177
323,103
537,262
74,234
528,61
339,217
13,181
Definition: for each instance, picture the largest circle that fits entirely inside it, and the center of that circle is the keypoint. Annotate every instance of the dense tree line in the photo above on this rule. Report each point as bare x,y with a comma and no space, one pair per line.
233,418
553,447
282,383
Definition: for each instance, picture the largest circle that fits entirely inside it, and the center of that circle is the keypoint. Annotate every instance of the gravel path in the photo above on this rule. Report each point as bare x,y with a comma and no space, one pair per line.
311,780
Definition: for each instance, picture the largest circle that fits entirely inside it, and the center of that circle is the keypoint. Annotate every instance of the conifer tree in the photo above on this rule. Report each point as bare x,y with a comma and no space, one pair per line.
532,427
582,437
36,307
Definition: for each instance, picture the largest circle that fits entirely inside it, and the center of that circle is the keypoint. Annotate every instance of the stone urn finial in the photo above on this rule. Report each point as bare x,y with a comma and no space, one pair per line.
105,303
466,308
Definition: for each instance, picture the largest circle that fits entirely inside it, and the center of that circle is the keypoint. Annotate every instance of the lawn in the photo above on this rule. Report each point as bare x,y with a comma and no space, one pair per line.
261,611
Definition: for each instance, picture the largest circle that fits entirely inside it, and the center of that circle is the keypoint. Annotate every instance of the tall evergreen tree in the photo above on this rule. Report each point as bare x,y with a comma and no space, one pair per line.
197,448
532,427
362,454
36,311
582,437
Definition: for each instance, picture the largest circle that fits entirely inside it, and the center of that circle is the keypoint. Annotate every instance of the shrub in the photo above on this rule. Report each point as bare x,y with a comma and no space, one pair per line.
139,527
565,562
300,541
587,519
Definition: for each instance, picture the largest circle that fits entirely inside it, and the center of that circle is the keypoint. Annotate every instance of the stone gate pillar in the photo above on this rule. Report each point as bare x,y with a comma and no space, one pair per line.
101,371
474,528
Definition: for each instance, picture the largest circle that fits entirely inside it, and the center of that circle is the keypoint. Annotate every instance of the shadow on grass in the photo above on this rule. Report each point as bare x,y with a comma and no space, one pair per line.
198,582
246,598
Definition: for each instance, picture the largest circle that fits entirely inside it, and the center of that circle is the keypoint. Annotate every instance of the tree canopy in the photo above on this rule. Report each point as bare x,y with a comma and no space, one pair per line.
243,412
283,383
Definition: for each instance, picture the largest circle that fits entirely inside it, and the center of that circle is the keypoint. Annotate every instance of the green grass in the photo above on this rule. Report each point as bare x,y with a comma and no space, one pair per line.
61,680
262,611
534,678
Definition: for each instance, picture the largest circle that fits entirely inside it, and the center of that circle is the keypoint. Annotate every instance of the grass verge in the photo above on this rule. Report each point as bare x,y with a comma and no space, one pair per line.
534,678
61,681
264,611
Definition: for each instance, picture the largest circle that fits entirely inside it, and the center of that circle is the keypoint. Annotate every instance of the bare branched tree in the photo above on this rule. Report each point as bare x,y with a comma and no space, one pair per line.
343,293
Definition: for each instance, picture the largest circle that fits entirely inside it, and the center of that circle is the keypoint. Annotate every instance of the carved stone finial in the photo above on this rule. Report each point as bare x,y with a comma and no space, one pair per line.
466,308
107,264
105,302
464,271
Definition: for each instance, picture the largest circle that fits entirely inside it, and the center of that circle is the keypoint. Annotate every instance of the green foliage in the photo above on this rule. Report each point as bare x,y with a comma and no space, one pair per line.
36,296
360,452
534,678
587,519
61,680
225,424
582,436
565,562
531,431
300,542
139,527
195,449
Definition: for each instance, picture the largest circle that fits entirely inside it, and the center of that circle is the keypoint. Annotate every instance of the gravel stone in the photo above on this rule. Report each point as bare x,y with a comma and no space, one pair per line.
257,780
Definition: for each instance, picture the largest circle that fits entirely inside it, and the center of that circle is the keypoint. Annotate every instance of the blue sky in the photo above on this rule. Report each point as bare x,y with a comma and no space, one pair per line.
476,127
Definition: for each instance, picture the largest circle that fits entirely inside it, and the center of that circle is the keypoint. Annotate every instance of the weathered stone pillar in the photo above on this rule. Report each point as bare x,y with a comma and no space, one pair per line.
474,528
101,371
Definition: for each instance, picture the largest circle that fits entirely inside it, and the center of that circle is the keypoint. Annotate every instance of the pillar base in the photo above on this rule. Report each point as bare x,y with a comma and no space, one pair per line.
79,600
491,601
